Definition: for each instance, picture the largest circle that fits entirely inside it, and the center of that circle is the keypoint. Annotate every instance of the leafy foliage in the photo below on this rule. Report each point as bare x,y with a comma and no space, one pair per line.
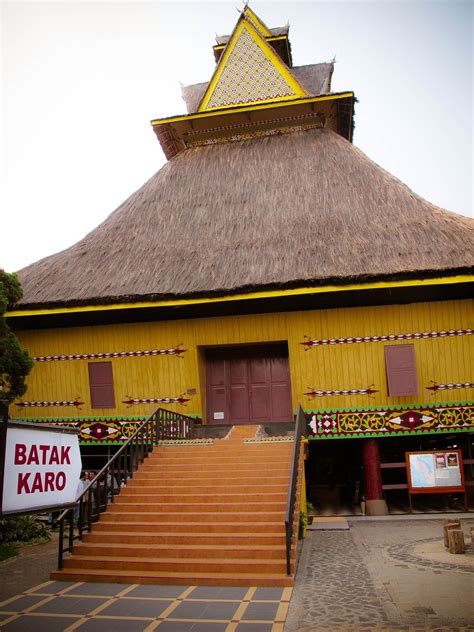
15,362
27,528
7,550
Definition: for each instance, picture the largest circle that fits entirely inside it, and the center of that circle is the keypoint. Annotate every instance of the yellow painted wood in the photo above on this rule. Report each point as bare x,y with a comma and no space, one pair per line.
250,108
262,27
466,278
330,367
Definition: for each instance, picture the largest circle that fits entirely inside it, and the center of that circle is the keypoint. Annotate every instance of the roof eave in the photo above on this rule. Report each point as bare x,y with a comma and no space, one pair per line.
175,132
297,287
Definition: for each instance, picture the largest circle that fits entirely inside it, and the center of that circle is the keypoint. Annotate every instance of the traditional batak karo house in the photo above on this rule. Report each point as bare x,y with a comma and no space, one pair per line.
269,262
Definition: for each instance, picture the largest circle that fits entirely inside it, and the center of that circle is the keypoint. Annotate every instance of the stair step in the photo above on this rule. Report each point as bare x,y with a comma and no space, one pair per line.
264,449
267,527
152,480
127,504
154,564
190,518
137,487
195,551
260,459
191,497
214,539
172,578
233,468
196,495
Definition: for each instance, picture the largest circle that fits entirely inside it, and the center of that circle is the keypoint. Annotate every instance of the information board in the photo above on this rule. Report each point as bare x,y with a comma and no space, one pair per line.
435,471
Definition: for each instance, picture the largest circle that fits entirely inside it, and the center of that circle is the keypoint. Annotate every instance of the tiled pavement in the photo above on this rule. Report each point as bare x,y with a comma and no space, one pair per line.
385,574
65,606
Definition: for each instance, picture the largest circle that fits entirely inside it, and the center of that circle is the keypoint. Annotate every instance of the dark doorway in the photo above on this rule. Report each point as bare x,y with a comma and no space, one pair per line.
248,384
335,477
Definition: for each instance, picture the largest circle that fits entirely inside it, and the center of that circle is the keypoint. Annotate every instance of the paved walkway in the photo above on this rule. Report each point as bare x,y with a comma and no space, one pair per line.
383,575
377,575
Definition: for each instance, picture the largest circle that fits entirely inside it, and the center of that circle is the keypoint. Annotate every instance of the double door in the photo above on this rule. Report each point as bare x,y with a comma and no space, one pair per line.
248,385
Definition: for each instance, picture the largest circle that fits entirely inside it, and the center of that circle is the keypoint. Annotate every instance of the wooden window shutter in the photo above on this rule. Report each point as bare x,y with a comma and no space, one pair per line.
101,384
401,370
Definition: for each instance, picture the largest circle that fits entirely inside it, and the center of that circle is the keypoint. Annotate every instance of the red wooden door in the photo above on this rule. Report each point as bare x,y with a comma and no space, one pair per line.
248,385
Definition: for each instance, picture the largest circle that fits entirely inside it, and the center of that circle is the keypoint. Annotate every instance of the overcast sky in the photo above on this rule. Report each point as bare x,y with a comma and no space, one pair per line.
82,80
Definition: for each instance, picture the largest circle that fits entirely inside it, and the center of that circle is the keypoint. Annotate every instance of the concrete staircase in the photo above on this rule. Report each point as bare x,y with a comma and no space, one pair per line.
195,514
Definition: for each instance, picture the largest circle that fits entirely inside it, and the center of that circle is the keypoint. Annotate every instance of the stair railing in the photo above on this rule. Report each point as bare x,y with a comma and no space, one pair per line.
300,428
161,425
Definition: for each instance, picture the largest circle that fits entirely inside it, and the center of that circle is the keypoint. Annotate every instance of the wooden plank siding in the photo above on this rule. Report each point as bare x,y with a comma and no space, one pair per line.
330,367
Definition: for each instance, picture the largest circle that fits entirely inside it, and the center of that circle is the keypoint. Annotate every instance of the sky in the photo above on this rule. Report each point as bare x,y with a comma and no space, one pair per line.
81,81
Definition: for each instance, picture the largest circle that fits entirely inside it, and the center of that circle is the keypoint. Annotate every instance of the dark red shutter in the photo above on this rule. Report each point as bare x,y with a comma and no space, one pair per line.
101,384
401,370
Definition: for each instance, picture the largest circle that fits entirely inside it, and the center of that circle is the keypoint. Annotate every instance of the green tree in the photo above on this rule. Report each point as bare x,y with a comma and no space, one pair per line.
15,362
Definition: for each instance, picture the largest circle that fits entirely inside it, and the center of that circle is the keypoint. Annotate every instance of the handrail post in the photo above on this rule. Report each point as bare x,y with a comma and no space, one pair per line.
61,545
71,529
290,508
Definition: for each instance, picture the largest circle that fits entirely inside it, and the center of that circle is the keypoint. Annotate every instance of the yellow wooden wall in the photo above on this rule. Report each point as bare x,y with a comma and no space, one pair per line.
444,360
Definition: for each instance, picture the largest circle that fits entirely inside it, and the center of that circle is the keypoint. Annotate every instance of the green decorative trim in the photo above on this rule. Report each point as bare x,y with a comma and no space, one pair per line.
387,408
77,419
102,431
380,435
403,420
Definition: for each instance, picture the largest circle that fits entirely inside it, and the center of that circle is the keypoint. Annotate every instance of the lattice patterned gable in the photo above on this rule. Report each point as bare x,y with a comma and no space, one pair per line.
257,22
249,72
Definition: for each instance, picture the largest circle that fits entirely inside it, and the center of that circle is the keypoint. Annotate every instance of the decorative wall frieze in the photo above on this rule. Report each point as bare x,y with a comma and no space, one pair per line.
449,387
308,343
176,351
69,402
359,423
243,136
99,430
353,391
156,400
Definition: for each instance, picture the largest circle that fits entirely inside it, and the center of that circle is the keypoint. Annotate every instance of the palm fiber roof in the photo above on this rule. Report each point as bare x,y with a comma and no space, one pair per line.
301,208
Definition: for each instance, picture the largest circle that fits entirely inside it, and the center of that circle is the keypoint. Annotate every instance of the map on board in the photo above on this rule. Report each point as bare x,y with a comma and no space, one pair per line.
438,469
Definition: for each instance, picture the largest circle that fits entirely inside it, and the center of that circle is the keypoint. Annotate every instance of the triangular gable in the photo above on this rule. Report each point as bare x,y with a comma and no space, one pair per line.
249,71
257,22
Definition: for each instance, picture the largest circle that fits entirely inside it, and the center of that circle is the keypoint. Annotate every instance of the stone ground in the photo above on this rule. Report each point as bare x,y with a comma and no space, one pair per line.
387,574
33,566
383,575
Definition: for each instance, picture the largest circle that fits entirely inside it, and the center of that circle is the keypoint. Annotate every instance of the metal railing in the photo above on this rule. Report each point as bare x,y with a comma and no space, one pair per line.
300,428
161,425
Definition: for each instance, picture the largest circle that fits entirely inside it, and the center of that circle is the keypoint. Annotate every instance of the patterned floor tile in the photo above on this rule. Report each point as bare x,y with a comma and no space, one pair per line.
265,611
32,623
136,608
98,590
71,605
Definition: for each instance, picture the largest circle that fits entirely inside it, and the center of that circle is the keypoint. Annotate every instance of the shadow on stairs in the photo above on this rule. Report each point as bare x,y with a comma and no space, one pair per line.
195,513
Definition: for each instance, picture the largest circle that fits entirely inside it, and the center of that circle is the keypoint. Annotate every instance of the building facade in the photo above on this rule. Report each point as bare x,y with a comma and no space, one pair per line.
269,263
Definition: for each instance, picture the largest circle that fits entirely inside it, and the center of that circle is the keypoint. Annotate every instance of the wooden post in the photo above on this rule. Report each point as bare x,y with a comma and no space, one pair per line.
456,541
447,525
472,536
375,504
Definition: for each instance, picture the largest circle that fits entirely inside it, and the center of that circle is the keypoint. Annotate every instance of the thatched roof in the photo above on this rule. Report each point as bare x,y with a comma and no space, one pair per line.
303,208
315,79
